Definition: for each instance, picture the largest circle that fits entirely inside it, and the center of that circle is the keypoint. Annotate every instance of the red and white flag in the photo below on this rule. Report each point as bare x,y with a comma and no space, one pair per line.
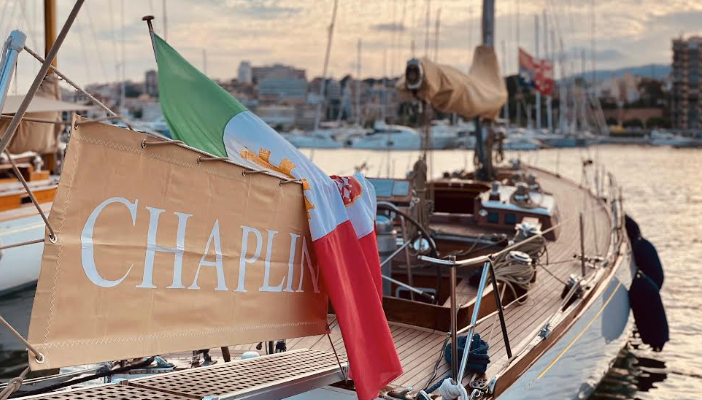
341,210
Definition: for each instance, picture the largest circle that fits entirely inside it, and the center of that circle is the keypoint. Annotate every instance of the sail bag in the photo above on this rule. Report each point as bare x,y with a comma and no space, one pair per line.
480,93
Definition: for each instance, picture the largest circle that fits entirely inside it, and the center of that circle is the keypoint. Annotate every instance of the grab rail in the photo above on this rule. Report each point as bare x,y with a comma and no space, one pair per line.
488,267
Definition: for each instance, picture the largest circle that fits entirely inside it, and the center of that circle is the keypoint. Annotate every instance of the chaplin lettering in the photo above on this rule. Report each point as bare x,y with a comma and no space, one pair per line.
235,279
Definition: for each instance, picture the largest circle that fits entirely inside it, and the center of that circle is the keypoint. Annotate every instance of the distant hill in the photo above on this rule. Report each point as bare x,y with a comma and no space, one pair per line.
657,71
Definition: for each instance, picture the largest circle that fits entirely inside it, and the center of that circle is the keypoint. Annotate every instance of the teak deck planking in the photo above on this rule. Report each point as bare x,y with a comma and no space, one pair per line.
418,348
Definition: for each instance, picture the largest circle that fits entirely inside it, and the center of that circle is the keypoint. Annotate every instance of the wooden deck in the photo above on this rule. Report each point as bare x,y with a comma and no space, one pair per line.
419,348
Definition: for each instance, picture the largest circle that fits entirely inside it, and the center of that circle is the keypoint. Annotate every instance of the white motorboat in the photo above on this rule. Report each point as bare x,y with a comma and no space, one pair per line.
520,139
389,137
664,138
442,135
320,139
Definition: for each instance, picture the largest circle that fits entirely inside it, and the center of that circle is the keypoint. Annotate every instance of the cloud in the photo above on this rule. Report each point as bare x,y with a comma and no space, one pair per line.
629,32
684,21
603,55
389,27
261,9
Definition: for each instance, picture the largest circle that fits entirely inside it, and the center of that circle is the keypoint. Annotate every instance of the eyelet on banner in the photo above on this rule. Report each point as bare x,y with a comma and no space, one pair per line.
283,182
252,172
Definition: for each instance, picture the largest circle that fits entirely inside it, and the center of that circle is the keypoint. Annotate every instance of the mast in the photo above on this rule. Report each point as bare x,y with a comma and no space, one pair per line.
436,35
204,61
547,57
165,21
323,84
536,57
506,107
122,99
426,29
49,29
563,90
358,84
484,150
518,96
583,94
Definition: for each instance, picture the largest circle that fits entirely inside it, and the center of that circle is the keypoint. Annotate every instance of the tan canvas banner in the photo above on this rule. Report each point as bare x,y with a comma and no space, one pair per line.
158,252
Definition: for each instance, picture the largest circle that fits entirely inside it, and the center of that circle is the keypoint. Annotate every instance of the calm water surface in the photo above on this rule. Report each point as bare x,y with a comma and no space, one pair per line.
662,191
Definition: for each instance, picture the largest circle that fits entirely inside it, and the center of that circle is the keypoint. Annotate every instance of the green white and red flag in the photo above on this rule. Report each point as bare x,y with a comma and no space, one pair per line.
341,210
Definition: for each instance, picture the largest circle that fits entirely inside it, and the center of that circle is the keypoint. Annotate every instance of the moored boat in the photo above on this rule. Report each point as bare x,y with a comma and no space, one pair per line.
528,270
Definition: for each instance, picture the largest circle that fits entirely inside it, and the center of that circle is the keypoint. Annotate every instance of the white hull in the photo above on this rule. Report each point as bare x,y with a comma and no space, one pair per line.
308,142
520,146
385,144
669,142
575,365
19,266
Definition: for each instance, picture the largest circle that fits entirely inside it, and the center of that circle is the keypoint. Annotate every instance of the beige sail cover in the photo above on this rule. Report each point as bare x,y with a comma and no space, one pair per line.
35,136
481,93
159,253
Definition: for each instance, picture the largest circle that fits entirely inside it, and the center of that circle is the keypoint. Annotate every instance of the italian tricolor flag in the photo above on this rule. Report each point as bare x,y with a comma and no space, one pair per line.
341,210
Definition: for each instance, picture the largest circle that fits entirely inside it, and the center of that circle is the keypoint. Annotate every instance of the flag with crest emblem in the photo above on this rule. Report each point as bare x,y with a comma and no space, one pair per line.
340,210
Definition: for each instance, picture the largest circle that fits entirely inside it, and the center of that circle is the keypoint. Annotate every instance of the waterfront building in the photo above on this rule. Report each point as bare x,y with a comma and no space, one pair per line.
687,68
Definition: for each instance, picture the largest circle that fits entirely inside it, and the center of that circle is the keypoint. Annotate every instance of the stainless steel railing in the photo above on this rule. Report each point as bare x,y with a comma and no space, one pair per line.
487,269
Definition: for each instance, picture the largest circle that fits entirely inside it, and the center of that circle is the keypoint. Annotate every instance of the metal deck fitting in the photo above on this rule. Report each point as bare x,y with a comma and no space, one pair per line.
273,376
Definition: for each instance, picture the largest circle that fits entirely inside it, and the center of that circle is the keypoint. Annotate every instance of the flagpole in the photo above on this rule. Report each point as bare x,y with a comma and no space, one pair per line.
148,20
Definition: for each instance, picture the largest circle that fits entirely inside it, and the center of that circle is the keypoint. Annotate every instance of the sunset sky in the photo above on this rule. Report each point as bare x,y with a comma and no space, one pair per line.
627,33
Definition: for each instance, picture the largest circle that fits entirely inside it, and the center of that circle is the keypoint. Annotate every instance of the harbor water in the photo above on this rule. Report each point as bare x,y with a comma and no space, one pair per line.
662,189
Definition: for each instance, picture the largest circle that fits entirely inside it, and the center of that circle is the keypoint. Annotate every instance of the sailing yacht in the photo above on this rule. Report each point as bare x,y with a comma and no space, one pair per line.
33,152
508,282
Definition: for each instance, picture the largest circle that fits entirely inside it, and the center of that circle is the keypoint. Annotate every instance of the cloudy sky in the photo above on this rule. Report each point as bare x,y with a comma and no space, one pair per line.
109,34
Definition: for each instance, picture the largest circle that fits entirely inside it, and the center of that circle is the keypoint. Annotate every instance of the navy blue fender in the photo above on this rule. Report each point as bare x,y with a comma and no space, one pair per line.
646,258
649,313
632,228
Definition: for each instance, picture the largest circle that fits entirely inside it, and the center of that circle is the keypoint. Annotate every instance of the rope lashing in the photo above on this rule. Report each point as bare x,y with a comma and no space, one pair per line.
477,363
13,385
478,358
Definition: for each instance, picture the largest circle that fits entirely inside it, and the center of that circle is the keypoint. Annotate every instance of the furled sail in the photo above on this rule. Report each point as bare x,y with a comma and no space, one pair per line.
481,93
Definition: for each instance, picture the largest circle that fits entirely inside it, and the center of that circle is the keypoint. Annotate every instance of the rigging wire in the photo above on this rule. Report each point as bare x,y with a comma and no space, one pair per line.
114,39
4,14
93,35
86,60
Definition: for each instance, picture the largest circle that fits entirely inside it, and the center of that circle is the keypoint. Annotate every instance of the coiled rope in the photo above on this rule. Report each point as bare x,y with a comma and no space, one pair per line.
514,273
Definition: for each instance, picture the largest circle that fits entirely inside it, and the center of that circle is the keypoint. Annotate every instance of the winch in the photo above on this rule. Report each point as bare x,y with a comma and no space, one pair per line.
387,243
